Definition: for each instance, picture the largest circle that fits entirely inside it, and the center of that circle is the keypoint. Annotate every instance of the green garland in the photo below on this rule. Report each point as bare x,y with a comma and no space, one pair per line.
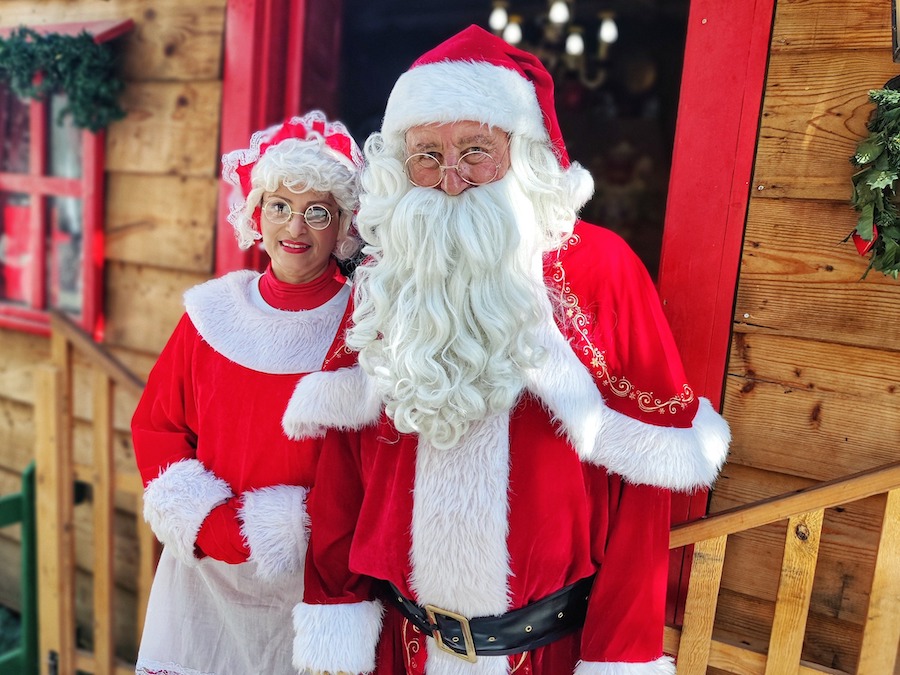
874,193
74,65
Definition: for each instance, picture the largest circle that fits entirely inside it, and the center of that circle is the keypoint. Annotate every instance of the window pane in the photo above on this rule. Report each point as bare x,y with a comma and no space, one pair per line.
65,254
14,132
65,141
16,284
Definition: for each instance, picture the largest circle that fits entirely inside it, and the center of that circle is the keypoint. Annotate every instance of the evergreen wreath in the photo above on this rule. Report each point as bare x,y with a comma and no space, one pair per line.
36,65
874,185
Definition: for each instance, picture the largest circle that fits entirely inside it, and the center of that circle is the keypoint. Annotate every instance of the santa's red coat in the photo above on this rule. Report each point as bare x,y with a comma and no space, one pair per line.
574,481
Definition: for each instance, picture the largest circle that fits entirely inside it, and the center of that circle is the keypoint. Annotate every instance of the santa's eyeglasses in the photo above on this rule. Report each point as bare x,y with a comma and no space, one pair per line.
279,212
475,167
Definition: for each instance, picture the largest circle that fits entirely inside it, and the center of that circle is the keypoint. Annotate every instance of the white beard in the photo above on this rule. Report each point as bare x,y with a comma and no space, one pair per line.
448,308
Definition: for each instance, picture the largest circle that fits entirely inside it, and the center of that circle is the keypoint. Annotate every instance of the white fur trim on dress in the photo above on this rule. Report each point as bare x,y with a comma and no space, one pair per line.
230,315
276,527
337,638
451,91
177,502
682,459
344,399
664,665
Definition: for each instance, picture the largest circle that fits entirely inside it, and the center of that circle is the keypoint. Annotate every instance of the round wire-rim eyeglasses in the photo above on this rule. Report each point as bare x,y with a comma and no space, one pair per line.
279,212
475,167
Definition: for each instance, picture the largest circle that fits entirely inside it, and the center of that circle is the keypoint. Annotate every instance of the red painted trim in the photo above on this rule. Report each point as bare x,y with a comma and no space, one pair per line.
722,87
275,38
93,162
259,55
37,167
296,45
241,111
25,319
715,140
42,185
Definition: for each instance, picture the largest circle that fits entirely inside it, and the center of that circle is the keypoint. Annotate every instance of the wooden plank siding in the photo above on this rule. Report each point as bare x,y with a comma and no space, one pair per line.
813,381
162,163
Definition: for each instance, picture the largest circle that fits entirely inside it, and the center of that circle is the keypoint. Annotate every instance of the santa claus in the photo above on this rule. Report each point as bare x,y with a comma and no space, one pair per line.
493,494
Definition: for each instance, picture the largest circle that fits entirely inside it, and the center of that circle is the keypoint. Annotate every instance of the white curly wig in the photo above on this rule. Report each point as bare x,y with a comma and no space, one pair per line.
318,156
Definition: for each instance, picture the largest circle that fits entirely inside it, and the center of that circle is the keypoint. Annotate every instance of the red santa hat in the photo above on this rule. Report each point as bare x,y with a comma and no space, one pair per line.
477,76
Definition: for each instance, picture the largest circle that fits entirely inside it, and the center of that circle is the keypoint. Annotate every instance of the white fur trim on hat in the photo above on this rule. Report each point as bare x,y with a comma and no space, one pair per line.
337,638
276,527
664,665
178,501
344,399
452,91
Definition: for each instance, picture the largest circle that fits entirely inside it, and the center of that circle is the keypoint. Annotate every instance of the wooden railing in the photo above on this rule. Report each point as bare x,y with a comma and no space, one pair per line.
57,473
694,645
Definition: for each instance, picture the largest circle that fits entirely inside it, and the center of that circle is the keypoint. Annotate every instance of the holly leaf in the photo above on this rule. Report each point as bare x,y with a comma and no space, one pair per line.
880,180
889,257
867,151
864,224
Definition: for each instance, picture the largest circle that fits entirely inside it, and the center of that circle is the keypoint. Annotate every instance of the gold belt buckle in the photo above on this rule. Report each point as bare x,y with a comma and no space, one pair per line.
431,611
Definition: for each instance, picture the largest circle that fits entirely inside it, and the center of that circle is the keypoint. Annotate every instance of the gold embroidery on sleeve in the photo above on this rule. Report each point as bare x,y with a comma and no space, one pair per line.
596,358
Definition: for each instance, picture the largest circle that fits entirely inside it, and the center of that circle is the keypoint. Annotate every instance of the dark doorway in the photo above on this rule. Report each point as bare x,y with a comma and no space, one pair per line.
617,115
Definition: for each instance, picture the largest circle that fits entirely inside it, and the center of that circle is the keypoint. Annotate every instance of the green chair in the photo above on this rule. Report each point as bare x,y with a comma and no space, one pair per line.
19,508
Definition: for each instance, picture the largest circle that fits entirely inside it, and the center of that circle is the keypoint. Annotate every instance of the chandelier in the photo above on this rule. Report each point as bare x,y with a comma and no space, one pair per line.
558,38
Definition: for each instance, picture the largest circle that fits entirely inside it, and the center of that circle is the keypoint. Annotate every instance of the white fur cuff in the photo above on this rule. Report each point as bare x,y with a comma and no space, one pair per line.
276,527
337,638
669,457
177,502
664,665
344,399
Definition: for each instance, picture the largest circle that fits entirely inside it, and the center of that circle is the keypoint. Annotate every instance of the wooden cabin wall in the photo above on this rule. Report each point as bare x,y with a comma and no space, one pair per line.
813,382
162,164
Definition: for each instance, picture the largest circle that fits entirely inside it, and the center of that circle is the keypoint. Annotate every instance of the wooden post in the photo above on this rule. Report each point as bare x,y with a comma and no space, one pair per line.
882,629
55,516
798,570
700,606
104,512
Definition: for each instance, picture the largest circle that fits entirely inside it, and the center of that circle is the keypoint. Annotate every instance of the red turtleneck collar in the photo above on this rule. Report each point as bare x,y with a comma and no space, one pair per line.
294,297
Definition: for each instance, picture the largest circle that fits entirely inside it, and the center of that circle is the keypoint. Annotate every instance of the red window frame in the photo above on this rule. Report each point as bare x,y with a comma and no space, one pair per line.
32,316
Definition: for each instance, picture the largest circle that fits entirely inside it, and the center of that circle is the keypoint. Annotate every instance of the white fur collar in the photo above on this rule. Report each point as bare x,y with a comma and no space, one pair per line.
228,314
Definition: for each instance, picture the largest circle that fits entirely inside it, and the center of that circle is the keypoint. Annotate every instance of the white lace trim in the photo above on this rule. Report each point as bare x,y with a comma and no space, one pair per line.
148,667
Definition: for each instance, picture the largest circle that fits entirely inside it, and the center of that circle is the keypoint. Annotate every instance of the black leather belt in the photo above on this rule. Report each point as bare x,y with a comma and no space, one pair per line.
519,630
